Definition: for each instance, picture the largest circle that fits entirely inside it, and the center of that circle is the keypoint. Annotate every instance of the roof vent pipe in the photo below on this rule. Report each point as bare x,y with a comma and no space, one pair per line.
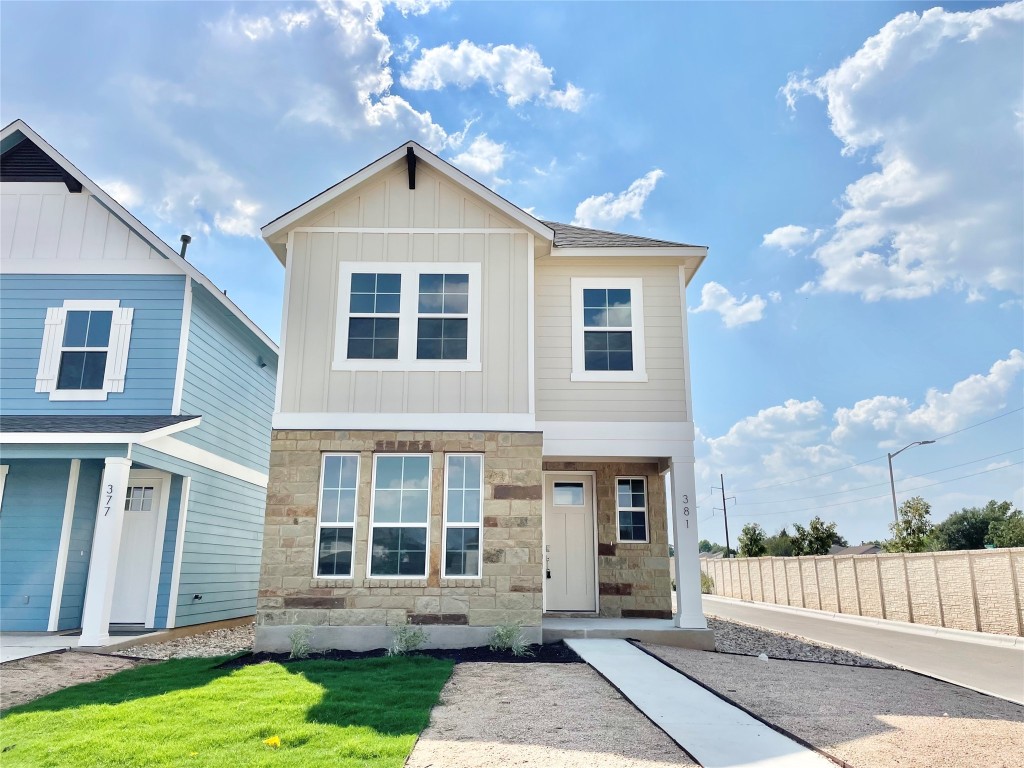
185,240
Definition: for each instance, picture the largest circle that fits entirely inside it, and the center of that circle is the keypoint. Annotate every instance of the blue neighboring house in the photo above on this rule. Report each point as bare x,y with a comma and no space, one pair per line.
135,409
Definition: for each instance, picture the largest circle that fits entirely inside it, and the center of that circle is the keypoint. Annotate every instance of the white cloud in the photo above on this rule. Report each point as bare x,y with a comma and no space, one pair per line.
241,221
790,237
125,193
483,158
519,73
609,209
418,7
774,296
935,99
717,298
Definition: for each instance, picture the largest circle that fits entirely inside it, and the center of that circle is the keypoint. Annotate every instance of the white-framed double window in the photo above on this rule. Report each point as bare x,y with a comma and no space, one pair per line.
336,515
399,517
408,317
463,516
608,329
631,509
84,353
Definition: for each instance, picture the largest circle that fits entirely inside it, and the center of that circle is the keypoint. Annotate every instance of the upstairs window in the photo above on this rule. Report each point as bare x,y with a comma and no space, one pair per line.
607,329
84,353
408,317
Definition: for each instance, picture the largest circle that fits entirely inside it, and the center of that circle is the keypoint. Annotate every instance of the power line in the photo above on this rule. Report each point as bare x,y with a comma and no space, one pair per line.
873,498
875,485
868,461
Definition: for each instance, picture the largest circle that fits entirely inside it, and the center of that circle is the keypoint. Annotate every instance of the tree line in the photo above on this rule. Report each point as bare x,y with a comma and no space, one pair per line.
997,524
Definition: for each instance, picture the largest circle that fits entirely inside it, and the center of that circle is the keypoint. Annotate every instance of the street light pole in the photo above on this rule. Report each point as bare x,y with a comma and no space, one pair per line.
892,482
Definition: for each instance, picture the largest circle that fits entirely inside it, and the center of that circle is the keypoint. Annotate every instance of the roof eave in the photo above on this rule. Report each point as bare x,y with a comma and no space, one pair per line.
95,438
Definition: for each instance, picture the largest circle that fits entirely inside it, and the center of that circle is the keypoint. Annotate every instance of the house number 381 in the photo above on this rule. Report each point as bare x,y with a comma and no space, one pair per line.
686,509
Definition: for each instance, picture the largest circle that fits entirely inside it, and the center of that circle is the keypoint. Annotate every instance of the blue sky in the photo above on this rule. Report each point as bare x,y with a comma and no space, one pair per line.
855,168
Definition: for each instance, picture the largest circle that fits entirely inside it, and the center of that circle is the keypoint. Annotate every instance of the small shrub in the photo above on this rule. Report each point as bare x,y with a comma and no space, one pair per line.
509,637
406,638
301,647
707,584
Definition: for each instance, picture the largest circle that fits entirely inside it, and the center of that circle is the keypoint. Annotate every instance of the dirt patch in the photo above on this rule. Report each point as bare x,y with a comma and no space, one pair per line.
539,715
24,680
887,718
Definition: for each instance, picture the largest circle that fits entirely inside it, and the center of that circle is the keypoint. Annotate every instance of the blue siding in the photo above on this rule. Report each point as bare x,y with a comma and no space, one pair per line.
152,354
222,544
225,385
33,510
90,475
167,556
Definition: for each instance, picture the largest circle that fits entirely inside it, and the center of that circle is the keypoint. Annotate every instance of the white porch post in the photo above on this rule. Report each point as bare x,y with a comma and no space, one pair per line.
684,524
106,545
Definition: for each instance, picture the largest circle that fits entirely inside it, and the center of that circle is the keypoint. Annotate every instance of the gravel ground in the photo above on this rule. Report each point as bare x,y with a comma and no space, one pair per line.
540,715
735,637
23,680
217,642
887,718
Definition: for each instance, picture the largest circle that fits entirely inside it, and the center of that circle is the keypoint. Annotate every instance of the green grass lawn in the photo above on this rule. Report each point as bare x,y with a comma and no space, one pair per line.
185,712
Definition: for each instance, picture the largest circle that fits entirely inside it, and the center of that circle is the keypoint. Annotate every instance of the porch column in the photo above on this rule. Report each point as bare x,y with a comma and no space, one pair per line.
684,529
106,545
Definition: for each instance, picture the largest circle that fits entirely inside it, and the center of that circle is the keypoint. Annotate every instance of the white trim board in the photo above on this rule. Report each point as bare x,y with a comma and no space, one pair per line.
4,469
179,548
179,449
102,438
62,548
445,422
9,266
186,326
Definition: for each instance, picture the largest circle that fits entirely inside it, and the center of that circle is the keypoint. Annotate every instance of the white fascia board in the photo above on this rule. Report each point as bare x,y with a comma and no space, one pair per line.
179,449
103,438
279,225
137,226
87,267
622,439
419,422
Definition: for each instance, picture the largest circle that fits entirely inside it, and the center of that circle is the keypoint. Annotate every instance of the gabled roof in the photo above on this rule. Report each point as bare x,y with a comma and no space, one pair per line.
9,141
570,236
273,231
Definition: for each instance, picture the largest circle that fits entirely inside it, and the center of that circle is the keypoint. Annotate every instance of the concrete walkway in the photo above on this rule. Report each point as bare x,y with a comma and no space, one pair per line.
21,645
715,733
983,663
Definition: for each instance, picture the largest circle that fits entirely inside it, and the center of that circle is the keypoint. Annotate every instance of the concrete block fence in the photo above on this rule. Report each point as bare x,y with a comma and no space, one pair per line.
980,590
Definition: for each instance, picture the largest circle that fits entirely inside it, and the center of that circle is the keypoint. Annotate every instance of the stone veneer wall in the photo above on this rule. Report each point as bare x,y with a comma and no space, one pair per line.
634,580
511,584
980,590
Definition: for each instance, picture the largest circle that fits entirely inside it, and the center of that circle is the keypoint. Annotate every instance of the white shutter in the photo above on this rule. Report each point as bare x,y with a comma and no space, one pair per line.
117,354
49,354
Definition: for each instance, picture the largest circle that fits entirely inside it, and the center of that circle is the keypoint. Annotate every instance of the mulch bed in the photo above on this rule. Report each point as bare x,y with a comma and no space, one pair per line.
548,653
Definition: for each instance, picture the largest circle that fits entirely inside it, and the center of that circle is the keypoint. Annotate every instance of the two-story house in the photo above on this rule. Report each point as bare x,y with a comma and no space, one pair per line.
476,413
135,409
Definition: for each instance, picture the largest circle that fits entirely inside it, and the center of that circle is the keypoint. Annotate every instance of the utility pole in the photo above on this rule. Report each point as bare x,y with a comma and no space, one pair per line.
725,514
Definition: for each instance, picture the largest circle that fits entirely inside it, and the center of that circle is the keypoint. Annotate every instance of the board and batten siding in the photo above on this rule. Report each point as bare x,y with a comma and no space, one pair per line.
45,221
661,398
152,352
310,385
223,542
33,510
90,475
225,385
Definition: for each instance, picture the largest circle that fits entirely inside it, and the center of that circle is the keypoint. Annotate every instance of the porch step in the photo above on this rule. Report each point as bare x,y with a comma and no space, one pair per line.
660,631
715,733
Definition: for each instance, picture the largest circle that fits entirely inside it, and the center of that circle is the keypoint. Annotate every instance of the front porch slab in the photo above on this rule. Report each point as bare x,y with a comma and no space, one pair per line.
661,631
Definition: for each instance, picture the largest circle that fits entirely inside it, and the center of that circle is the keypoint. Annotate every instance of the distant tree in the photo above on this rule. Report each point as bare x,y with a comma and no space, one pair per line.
705,546
779,545
910,531
968,528
816,539
752,540
1008,532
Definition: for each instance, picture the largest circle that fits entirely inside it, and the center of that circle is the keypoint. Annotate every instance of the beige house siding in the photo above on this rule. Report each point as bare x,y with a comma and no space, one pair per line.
309,384
661,398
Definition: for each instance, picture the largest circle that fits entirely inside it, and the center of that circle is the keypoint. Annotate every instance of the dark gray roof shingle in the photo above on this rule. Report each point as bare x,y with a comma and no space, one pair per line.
569,236
97,424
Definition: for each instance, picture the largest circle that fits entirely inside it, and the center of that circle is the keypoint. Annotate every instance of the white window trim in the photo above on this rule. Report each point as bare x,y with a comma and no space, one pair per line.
116,349
408,316
320,524
645,510
636,287
479,524
373,524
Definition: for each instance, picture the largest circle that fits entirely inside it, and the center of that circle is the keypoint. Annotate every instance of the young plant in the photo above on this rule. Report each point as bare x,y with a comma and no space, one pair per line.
509,637
707,584
300,638
406,639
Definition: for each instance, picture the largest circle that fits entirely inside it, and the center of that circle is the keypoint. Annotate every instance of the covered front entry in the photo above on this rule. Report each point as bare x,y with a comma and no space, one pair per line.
570,582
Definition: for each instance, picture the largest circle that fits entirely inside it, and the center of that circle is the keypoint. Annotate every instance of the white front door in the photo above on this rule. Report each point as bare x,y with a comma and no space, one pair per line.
134,585
570,576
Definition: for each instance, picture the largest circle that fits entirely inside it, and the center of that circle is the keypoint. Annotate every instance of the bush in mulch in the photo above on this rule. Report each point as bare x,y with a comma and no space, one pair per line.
549,653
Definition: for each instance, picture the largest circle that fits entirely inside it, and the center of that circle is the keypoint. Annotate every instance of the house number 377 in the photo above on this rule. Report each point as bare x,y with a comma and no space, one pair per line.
109,493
